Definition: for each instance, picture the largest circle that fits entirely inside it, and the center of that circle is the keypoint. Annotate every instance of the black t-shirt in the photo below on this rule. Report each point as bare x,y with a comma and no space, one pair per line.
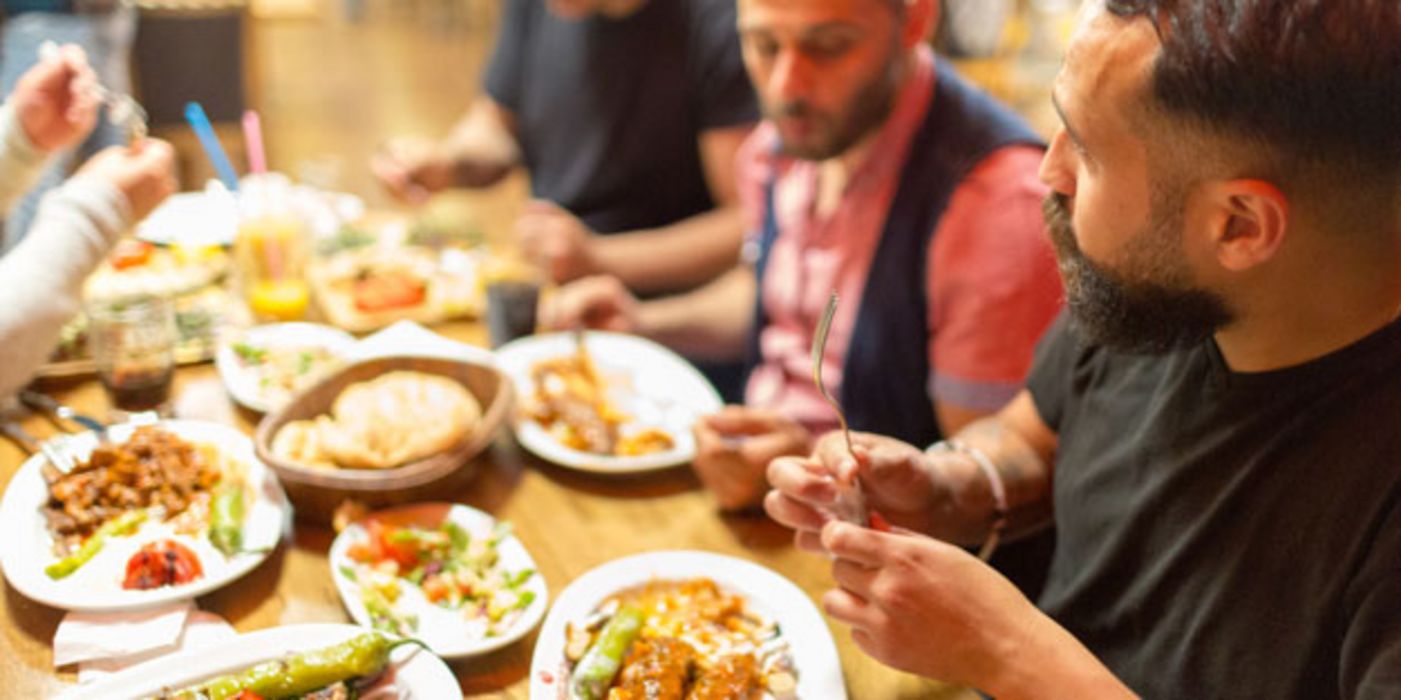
1228,535
609,111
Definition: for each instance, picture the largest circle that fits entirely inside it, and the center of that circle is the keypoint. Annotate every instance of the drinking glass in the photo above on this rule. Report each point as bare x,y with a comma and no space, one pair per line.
133,346
272,250
512,295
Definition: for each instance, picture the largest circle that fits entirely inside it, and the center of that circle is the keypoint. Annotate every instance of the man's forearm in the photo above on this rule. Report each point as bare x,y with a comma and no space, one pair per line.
1049,662
482,146
711,322
673,258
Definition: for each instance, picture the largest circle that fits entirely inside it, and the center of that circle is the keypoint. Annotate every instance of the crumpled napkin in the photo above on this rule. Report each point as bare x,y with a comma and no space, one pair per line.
410,338
105,643
202,629
84,636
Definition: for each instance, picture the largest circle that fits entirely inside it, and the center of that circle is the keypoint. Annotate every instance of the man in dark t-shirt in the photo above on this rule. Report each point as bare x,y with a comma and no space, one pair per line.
1213,427
627,115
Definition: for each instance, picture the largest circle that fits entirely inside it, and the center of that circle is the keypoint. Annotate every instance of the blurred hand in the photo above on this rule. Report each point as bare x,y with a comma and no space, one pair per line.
601,303
56,100
556,241
143,172
413,169
896,478
927,607
734,448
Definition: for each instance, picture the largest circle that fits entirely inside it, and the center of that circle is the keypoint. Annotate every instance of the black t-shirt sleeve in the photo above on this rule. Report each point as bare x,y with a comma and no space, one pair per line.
723,94
504,79
1051,379
1371,665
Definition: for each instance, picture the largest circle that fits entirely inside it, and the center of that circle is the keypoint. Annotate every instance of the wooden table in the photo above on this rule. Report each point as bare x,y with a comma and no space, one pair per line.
570,522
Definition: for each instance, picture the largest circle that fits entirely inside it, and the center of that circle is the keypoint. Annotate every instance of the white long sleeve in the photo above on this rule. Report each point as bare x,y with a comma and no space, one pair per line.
21,162
41,279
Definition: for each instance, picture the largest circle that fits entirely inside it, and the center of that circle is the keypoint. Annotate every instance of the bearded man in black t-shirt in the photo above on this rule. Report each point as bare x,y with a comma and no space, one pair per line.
1212,429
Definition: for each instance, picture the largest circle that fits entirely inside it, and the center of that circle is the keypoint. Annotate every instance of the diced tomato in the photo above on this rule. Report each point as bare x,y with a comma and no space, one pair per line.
436,589
383,547
161,563
248,695
361,552
381,291
130,252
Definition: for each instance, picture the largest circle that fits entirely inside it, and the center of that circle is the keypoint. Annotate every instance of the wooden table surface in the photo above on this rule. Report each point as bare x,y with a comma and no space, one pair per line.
570,522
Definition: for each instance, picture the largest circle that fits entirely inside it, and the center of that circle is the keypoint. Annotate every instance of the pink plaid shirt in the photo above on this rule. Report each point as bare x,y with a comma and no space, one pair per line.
992,284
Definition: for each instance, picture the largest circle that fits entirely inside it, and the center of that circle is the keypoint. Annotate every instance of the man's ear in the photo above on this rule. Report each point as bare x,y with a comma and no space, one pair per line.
921,18
1248,222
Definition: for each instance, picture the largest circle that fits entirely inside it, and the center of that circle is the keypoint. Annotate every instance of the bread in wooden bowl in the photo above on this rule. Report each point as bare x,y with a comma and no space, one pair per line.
384,431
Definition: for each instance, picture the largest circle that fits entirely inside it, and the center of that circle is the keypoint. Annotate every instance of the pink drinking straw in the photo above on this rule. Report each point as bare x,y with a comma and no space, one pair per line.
253,139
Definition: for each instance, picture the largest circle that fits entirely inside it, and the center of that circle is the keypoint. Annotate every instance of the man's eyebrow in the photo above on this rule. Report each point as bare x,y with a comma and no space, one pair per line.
1069,130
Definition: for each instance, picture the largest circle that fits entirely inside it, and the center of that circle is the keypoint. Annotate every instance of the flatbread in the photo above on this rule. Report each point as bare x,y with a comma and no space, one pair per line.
393,419
300,441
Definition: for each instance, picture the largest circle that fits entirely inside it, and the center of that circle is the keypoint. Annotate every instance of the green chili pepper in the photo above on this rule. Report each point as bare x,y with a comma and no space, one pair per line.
363,656
124,524
226,518
249,353
601,662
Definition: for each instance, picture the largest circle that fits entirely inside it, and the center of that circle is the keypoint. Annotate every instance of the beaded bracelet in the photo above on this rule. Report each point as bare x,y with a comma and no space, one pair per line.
998,488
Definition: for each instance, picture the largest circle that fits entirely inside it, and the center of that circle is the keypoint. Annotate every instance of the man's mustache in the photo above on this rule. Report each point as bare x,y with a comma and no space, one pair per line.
797,109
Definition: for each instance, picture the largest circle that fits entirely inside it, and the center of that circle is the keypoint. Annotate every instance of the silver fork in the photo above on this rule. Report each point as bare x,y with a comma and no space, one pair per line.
851,502
59,412
55,450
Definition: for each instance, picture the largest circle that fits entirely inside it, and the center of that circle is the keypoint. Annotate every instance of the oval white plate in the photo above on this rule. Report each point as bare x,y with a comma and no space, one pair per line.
242,382
657,386
768,594
443,630
97,586
418,672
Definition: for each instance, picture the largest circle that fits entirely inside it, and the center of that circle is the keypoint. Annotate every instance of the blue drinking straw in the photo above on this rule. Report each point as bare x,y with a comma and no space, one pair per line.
195,115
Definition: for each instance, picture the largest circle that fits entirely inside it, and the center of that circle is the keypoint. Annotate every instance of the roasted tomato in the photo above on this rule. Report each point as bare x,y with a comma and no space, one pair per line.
161,563
381,290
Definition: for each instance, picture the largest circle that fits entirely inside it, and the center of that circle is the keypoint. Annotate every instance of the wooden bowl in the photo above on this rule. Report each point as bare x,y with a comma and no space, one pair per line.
317,492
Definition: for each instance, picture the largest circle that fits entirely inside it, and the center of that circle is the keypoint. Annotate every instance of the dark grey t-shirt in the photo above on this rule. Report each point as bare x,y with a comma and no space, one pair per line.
1228,535
609,111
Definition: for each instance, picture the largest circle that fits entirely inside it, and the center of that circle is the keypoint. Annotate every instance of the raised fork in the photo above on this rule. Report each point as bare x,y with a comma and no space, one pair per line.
851,502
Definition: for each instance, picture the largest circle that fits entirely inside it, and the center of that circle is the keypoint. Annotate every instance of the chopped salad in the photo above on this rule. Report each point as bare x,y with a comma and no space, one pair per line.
281,371
446,566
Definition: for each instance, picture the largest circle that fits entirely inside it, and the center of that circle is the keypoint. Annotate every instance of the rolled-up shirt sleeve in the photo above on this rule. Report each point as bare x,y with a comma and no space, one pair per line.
992,283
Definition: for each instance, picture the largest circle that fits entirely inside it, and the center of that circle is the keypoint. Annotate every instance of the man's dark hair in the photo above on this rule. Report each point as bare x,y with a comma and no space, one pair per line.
1315,85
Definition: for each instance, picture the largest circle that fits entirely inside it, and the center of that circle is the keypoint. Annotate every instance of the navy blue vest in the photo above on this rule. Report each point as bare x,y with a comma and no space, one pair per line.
884,383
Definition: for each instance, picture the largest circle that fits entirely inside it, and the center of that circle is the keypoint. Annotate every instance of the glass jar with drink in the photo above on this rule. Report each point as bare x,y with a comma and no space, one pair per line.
272,250
133,346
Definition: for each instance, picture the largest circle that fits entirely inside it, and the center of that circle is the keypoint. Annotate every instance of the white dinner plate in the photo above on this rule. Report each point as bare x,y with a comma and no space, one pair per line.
768,594
97,586
417,673
241,381
445,631
649,382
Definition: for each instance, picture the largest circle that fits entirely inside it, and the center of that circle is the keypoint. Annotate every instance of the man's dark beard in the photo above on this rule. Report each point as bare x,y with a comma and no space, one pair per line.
870,108
1143,315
